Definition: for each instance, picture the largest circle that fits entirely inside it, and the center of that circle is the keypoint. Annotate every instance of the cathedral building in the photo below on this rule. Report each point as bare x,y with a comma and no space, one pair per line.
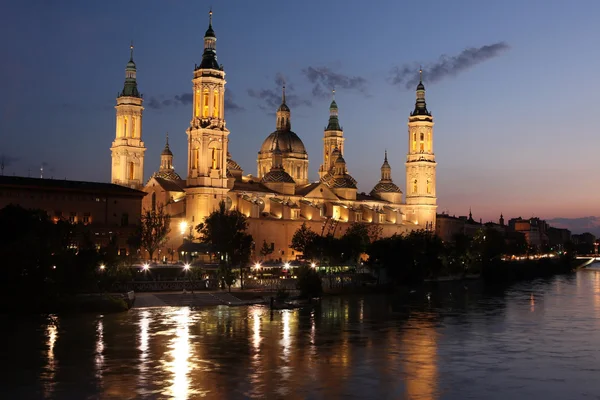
280,197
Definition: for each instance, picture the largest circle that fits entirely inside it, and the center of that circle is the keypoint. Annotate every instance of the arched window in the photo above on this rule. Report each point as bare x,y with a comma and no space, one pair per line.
414,186
125,127
414,142
133,127
428,186
422,144
216,104
195,158
205,104
298,172
197,105
131,170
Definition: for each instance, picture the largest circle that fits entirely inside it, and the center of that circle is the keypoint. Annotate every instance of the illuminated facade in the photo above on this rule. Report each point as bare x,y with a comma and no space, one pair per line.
128,148
281,197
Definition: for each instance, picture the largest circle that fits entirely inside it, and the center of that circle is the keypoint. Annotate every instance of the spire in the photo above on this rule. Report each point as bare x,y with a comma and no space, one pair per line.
386,170
130,87
283,114
209,57
167,150
334,123
420,105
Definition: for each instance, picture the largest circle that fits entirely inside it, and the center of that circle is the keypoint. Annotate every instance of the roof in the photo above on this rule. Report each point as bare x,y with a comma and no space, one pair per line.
169,185
65,185
386,187
288,142
240,186
303,191
277,175
169,174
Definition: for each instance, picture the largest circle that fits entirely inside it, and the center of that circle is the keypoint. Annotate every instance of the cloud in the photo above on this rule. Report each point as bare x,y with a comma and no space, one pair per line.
577,225
271,98
186,99
325,80
446,66
8,161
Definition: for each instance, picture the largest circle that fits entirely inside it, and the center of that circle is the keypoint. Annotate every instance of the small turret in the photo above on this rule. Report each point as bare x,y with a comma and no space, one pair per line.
420,105
283,114
130,88
209,57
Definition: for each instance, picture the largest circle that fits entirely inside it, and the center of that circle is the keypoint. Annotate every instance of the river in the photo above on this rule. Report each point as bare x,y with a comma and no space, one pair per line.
537,339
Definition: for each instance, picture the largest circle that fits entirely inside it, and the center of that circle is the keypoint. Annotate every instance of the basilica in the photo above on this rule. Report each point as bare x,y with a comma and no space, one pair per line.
280,197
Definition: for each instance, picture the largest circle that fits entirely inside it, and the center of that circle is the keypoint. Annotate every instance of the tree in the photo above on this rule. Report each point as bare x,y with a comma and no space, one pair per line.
266,249
225,232
357,239
302,239
309,282
153,230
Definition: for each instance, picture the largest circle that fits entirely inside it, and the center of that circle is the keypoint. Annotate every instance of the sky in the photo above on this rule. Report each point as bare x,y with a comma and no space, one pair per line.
512,86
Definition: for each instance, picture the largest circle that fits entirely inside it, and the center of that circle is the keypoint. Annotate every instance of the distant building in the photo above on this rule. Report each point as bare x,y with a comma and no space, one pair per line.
534,229
446,226
583,238
109,210
558,237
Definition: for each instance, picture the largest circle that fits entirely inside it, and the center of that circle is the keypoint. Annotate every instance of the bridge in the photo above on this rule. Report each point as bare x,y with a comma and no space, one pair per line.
588,260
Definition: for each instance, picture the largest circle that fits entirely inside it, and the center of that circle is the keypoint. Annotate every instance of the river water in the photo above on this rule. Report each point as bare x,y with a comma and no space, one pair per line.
537,339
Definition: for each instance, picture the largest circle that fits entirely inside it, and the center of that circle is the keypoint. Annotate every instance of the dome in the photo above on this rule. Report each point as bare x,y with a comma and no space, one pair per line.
420,86
283,107
339,181
130,65
333,105
166,151
169,174
277,175
288,141
386,187
340,159
210,33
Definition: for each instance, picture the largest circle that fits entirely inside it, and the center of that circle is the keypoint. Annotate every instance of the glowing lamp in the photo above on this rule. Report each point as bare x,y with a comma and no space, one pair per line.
313,265
145,267
183,225
186,267
102,267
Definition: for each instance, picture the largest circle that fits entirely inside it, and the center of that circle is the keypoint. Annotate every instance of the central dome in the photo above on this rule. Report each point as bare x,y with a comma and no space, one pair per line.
289,142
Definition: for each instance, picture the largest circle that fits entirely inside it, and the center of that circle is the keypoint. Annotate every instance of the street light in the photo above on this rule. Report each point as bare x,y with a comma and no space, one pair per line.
286,265
313,265
186,267
102,267
257,265
146,267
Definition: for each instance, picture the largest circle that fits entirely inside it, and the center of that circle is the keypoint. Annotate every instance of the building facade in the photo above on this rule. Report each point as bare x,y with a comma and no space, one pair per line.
108,210
281,196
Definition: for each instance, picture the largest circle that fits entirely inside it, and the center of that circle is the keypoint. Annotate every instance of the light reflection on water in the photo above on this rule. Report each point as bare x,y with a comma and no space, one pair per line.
533,340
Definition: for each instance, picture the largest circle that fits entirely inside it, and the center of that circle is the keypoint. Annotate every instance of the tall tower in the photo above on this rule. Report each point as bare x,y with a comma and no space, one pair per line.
207,134
332,139
421,198
128,149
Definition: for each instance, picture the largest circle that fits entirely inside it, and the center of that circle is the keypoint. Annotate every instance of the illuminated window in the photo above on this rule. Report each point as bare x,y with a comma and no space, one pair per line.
195,158
414,142
205,104
216,104
197,105
131,170
414,186
214,158
133,127
125,127
422,144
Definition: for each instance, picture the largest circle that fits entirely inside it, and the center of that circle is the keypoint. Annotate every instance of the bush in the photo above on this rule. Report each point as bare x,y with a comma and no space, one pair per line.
309,283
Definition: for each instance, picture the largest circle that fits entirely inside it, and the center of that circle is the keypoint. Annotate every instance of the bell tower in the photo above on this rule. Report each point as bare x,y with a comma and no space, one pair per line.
207,134
333,139
421,197
127,149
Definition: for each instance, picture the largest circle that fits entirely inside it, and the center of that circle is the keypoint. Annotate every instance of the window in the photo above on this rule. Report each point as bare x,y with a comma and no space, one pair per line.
73,217
195,158
414,142
131,170
86,218
125,127
216,104
197,105
133,127
415,186
205,104
428,186
422,144
124,219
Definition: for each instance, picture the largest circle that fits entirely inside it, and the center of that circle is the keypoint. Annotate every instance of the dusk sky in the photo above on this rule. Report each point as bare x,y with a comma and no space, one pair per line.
512,86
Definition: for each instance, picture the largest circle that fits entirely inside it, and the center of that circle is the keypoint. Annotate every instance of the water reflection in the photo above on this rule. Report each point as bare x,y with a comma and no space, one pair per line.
180,353
51,366
99,356
482,346
143,347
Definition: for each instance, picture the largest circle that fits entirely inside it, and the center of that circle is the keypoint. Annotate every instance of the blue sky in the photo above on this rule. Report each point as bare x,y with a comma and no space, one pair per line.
515,131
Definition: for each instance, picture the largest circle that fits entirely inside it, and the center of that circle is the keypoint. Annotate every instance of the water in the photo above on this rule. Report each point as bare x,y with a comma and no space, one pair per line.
534,340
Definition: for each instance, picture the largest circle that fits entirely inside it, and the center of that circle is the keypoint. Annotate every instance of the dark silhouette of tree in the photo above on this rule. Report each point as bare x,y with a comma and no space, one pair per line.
357,238
153,231
225,232
266,249
303,238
